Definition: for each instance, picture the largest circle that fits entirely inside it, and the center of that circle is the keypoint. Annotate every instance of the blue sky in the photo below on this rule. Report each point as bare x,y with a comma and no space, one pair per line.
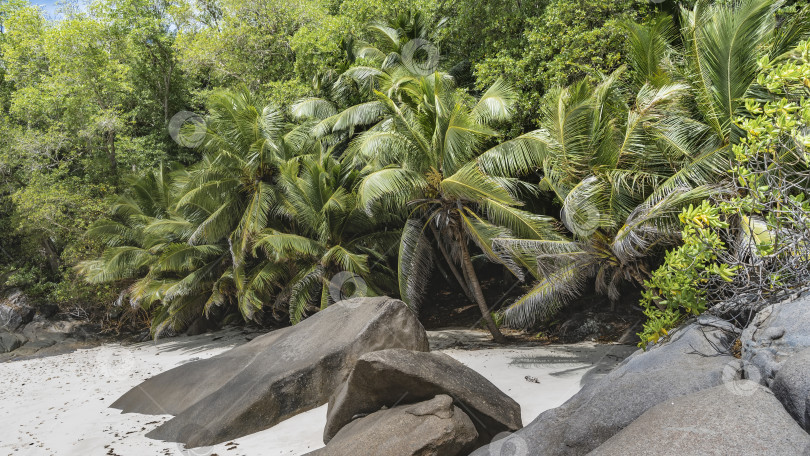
48,5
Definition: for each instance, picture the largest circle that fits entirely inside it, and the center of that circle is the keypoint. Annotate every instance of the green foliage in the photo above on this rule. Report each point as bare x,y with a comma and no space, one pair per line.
562,43
771,173
323,146
674,290
620,171
770,209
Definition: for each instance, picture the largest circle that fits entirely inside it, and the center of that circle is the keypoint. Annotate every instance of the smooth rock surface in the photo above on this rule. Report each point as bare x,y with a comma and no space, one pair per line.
432,428
273,377
791,385
739,418
14,311
388,377
695,358
776,333
9,342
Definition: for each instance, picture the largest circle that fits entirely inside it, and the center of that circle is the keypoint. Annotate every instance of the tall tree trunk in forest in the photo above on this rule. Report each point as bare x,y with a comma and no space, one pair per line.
110,146
477,292
51,255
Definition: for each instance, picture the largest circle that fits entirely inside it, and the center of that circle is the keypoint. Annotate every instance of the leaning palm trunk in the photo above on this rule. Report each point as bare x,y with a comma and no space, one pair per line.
462,282
472,278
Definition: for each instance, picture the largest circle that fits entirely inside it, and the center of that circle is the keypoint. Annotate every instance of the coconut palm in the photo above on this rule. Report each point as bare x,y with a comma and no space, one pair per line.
421,157
604,163
717,59
622,172
130,247
196,253
400,42
346,103
325,236
149,253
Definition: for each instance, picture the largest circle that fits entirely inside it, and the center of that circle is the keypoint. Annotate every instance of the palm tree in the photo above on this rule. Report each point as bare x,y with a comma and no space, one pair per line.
617,185
325,234
196,253
622,172
400,42
130,247
148,253
346,103
717,59
421,158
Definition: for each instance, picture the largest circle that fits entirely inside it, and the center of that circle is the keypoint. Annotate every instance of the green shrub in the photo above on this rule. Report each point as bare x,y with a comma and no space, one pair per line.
674,291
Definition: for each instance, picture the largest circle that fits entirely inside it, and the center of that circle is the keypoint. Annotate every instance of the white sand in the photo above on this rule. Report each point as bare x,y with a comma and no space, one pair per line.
58,405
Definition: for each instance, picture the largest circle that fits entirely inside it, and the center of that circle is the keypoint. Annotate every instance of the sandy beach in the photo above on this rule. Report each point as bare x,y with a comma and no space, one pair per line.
58,405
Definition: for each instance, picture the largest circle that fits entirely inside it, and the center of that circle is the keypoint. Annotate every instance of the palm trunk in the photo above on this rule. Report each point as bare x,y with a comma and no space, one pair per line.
461,282
478,293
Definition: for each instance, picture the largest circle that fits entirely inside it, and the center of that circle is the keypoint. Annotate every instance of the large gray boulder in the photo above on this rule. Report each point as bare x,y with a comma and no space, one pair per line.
776,333
388,377
14,311
695,358
432,428
275,376
9,341
740,418
791,385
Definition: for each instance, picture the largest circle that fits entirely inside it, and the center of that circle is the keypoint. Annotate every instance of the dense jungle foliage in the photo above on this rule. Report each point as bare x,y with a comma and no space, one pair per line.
166,160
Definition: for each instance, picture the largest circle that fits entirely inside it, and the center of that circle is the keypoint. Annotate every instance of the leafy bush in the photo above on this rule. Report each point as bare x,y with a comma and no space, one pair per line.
674,291
766,221
566,43
771,172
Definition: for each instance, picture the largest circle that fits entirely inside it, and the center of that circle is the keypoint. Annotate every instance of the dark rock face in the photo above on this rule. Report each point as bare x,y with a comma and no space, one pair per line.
275,376
791,385
775,334
388,377
693,359
739,418
9,342
592,326
432,428
200,325
14,311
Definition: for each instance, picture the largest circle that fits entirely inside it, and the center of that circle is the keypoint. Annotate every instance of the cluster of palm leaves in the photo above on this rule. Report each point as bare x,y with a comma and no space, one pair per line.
621,170
387,168
257,225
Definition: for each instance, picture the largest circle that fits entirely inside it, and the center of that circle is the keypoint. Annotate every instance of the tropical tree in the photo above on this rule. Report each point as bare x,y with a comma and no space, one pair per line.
622,172
408,40
131,248
326,239
617,184
346,102
421,158
716,58
197,252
